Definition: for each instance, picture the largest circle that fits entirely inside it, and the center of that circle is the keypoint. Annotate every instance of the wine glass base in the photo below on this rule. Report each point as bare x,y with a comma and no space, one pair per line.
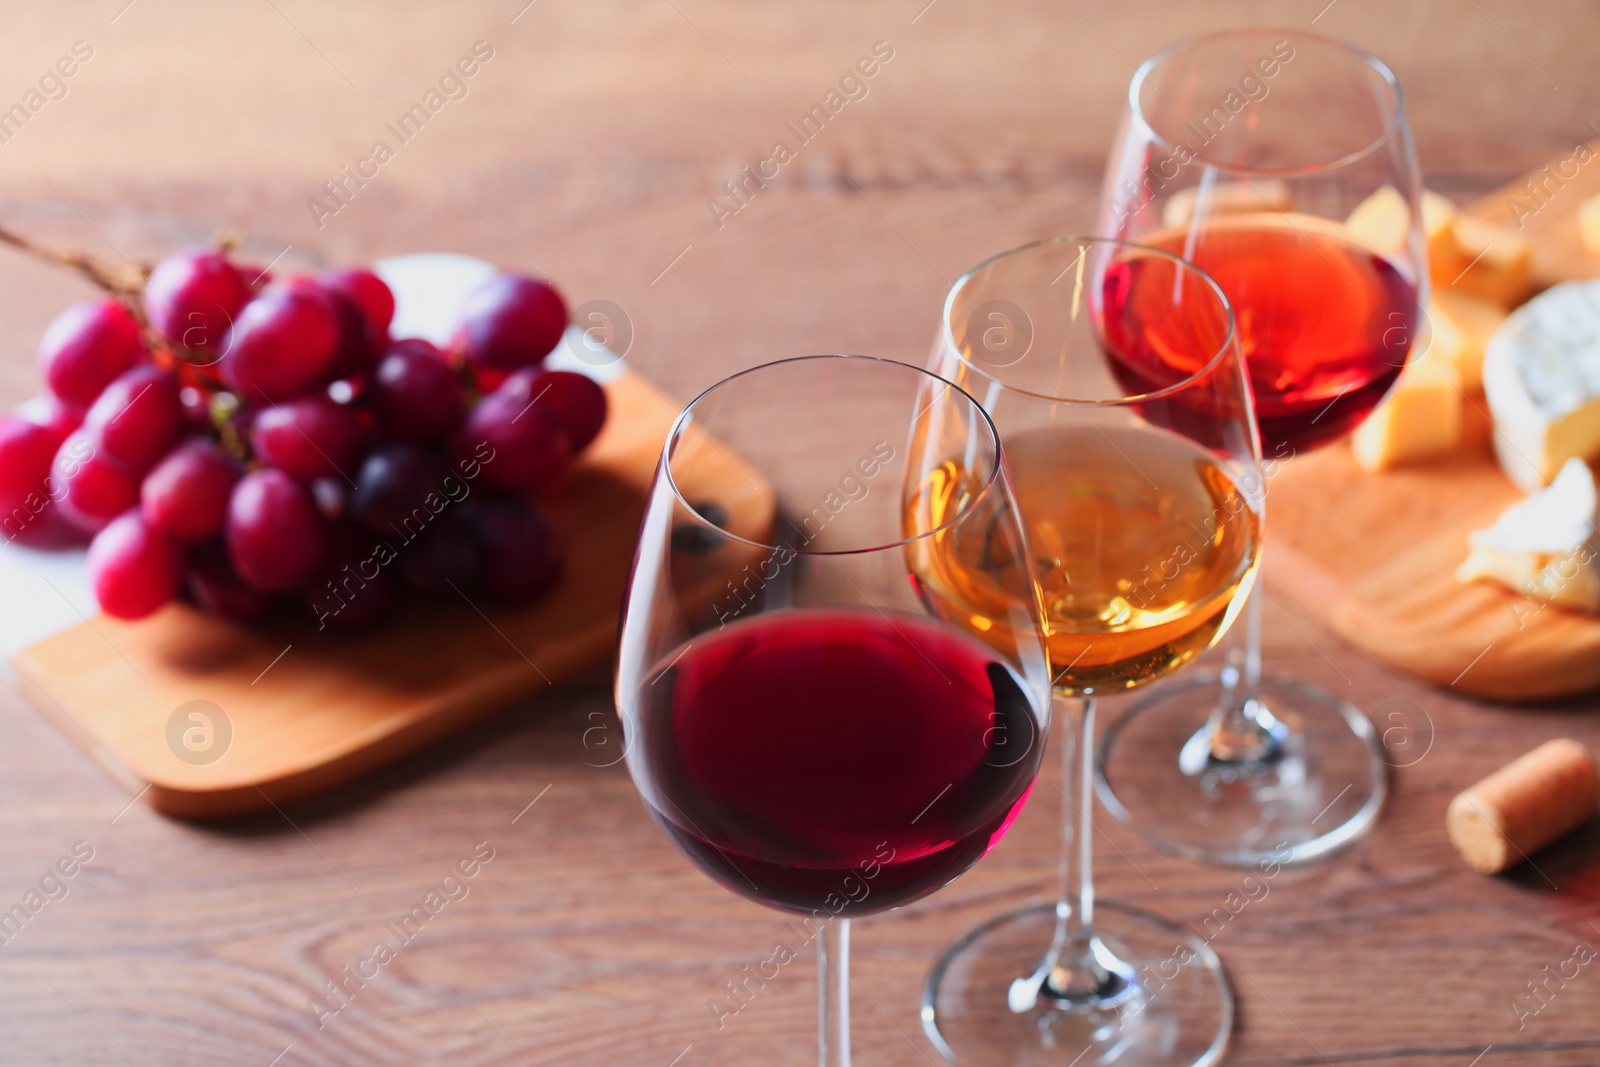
1319,792
1177,1013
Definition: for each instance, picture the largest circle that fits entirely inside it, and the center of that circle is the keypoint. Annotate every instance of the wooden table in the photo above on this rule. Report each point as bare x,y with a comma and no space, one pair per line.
589,146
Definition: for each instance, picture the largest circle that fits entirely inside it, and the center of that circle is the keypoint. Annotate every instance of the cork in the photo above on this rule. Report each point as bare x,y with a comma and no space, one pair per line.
1524,805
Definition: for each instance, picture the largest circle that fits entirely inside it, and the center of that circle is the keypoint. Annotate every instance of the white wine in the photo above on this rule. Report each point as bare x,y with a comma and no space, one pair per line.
1141,540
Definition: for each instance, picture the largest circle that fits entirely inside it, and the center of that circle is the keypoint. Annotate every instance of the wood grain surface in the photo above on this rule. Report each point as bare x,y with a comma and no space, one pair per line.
1543,204
589,146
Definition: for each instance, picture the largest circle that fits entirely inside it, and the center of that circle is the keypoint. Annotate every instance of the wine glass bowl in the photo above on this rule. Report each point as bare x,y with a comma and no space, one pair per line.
1267,102
1135,487
797,719
1253,177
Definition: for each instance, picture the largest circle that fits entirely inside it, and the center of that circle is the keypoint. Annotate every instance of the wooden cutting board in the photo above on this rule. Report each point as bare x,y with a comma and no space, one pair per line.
286,711
1374,555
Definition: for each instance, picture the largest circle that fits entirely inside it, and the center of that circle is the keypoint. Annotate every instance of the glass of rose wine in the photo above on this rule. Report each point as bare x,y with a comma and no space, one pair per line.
809,728
1137,479
1247,152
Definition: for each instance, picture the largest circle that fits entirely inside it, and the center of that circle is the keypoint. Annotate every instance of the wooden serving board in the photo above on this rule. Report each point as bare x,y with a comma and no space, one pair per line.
1548,215
1374,555
308,709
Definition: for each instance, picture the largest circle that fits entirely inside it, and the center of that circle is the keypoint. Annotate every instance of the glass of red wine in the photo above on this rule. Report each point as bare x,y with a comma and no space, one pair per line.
1247,152
809,727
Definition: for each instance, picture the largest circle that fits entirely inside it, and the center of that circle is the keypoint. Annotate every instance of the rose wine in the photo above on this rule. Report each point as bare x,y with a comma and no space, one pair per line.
1141,540
845,760
1325,323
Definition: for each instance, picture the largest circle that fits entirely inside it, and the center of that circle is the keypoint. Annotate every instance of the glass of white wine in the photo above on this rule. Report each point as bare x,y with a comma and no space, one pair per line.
1140,498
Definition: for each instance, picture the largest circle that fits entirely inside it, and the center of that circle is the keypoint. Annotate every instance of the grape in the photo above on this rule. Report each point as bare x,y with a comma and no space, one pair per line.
308,438
415,394
137,418
509,321
349,391
577,401
216,586
487,379
26,449
196,406
186,494
520,445
126,444
445,554
332,497
48,530
353,588
392,490
520,555
275,537
259,275
282,344
87,346
193,298
134,568
58,416
89,489
358,345
368,292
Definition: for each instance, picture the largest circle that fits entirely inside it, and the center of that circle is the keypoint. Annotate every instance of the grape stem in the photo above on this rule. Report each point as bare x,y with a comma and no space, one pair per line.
118,280
223,406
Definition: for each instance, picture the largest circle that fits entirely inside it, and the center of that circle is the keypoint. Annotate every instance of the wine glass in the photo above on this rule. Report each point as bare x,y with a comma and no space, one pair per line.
1246,152
1138,483
798,718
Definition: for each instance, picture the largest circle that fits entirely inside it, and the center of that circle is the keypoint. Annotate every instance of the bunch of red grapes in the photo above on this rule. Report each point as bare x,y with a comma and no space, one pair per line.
251,442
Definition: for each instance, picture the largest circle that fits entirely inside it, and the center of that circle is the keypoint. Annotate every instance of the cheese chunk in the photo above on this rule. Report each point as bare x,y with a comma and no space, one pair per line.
1227,198
1439,231
1382,222
1444,340
1462,324
1545,546
1419,420
1541,376
1589,224
1498,262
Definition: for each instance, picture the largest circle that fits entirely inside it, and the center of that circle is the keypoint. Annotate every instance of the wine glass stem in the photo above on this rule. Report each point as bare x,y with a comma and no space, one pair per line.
1079,967
1075,902
833,973
1245,656
1241,728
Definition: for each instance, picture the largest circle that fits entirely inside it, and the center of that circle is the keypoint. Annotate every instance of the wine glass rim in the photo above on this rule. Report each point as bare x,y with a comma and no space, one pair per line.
1396,121
685,417
1205,369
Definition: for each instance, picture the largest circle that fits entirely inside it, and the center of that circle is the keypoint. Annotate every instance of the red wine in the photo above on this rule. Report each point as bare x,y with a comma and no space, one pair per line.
835,759
1325,323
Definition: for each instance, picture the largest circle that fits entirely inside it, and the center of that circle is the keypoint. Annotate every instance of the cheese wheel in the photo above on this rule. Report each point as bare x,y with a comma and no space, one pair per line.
1541,376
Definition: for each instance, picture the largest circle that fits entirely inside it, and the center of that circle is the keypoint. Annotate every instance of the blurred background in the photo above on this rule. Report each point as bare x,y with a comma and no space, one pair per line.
591,143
